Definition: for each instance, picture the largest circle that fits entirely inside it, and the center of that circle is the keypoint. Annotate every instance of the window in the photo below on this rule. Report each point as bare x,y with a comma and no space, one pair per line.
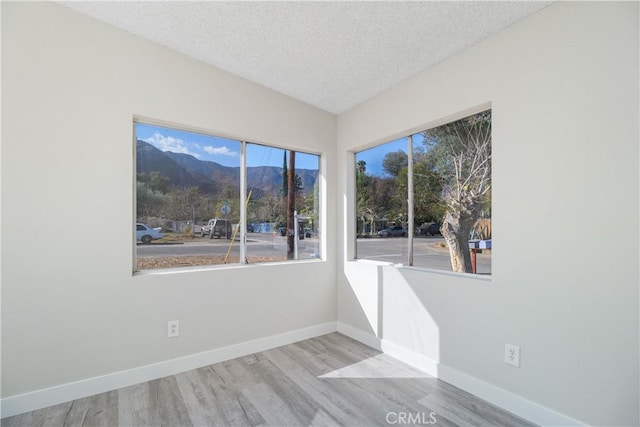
428,197
282,190
189,211
381,202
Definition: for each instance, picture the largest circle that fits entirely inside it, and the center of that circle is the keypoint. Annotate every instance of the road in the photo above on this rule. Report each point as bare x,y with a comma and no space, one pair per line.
428,252
258,244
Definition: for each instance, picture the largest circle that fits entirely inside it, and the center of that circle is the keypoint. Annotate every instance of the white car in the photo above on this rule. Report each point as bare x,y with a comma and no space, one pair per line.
218,228
146,234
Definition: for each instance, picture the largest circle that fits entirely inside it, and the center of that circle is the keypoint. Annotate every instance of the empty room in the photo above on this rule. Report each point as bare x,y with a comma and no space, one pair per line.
282,213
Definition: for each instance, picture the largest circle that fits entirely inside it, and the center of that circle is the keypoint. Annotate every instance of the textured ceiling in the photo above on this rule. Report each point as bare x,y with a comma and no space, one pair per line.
333,55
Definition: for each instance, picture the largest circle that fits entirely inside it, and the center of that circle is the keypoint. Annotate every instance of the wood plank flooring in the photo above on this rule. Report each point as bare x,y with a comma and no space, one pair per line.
326,381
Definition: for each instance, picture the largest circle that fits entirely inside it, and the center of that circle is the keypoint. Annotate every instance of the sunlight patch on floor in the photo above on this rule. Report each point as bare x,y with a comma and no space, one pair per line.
380,366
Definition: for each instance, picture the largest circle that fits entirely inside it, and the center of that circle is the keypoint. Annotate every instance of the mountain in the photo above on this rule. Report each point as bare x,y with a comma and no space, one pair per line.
210,170
184,170
150,159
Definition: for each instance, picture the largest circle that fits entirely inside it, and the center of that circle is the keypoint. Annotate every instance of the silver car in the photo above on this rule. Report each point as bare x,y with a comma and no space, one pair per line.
395,231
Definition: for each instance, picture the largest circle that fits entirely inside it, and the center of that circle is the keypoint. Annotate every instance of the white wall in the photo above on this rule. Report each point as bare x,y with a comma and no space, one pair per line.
71,308
563,85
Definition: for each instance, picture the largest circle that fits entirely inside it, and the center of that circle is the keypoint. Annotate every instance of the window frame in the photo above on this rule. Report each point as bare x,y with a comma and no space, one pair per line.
137,119
351,254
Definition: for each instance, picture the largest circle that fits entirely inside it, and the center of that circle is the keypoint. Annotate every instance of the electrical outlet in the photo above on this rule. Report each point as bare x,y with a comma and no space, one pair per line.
173,328
512,355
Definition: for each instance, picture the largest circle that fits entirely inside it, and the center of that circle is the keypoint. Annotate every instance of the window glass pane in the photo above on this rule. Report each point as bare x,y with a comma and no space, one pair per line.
187,186
381,202
270,218
451,173
452,195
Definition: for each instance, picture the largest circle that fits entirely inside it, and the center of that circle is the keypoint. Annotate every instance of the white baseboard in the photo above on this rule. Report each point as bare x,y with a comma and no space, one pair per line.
411,358
365,338
520,406
504,399
38,399
511,402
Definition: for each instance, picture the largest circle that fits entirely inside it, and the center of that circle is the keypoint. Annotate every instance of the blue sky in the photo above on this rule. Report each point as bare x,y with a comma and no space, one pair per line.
227,151
374,156
215,149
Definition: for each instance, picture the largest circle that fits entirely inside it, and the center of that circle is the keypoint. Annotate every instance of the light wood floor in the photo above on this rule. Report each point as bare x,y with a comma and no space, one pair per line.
330,380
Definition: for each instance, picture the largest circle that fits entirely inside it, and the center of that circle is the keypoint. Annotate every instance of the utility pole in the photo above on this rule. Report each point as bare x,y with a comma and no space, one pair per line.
291,204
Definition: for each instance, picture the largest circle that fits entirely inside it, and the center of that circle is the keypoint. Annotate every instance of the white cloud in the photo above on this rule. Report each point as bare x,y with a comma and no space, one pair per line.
223,151
169,143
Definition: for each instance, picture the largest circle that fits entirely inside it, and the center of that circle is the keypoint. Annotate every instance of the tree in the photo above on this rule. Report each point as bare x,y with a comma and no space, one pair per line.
427,188
298,193
394,162
310,205
376,198
284,190
462,159
149,202
269,208
155,181
159,182
381,204
229,194
186,204
362,194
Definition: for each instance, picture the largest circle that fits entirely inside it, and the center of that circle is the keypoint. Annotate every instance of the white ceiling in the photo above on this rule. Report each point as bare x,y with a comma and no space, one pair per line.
333,55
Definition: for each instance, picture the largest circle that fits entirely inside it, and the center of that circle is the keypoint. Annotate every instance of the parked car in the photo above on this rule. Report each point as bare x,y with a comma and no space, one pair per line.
430,229
395,231
146,234
218,228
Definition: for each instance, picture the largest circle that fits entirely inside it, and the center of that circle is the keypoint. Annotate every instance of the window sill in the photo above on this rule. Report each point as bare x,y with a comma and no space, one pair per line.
208,268
480,277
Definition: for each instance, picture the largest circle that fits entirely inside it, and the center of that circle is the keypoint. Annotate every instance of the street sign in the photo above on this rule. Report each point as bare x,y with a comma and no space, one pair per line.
225,209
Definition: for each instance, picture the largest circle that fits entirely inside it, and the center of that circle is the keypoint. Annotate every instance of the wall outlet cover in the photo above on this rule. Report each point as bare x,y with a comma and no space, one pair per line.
512,355
173,328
